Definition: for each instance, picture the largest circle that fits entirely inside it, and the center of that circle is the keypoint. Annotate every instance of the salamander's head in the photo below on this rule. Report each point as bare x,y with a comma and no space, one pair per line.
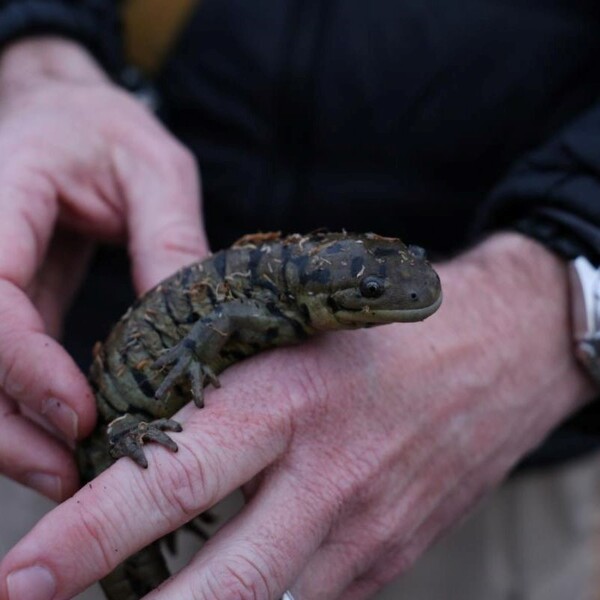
363,280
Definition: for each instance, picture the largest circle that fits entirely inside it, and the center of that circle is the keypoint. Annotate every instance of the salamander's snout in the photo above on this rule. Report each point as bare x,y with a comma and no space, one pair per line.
426,289
423,293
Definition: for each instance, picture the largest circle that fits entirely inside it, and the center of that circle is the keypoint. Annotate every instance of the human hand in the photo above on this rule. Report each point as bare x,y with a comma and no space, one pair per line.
360,447
81,161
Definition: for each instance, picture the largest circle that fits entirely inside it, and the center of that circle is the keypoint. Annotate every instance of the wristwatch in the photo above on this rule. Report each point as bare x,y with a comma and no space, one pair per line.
585,314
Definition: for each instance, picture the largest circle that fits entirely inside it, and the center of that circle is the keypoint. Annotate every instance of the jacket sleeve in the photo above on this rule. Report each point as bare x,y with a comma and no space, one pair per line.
93,23
553,193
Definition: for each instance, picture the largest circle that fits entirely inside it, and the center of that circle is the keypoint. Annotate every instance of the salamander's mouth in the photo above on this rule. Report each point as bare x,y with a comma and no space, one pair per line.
379,317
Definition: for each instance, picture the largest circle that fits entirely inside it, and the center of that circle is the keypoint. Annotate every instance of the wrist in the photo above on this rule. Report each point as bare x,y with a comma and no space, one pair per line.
30,60
517,294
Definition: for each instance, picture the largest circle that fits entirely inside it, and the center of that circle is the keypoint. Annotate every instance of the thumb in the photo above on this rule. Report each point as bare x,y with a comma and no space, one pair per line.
163,205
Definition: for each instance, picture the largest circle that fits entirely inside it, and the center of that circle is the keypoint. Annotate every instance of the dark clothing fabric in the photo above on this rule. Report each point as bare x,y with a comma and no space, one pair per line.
400,117
556,188
93,23
434,120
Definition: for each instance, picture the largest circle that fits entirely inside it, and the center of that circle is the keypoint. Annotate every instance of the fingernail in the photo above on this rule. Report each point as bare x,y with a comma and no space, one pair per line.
32,583
49,485
62,416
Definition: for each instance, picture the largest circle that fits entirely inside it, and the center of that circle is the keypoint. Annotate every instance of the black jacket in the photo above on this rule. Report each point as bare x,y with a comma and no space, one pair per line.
435,120
94,23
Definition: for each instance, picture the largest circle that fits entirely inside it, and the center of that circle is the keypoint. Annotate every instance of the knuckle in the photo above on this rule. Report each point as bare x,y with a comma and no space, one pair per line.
184,488
305,388
242,578
360,475
390,565
94,528
383,552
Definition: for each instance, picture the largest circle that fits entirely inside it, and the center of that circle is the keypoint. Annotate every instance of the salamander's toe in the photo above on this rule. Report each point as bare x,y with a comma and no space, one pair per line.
201,375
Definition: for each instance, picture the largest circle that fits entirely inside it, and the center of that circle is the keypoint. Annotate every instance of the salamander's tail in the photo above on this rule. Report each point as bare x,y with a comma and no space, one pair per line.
137,576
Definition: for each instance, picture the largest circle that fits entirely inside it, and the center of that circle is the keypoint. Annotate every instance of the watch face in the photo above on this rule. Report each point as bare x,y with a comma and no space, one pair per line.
585,314
588,354
585,302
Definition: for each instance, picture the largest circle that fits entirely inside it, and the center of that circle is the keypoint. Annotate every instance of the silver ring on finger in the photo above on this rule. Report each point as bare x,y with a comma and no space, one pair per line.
287,596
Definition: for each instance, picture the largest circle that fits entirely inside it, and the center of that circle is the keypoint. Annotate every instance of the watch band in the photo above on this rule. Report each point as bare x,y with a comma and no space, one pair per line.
585,314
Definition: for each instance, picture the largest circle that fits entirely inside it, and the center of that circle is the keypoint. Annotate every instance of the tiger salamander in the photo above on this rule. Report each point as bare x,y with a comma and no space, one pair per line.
263,292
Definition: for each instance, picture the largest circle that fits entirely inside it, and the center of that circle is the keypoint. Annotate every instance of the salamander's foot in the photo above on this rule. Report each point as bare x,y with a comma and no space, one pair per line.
128,434
183,362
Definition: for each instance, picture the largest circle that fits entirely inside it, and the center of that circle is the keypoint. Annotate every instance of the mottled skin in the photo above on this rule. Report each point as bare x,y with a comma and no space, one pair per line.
263,292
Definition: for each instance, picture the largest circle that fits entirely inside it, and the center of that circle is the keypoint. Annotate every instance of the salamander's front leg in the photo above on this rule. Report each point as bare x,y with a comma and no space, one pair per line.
191,357
127,435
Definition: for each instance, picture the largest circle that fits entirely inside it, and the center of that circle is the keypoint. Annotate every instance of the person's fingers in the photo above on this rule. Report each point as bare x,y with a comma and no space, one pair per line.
346,556
32,456
130,177
162,195
361,589
387,564
28,212
367,530
385,534
331,569
262,549
126,508
36,371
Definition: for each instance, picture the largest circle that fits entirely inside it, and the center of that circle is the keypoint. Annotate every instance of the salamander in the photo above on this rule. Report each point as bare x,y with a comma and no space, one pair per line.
265,291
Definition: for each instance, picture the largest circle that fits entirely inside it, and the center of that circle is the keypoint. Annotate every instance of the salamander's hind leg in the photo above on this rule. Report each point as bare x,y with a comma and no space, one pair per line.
191,356
194,354
184,363
128,434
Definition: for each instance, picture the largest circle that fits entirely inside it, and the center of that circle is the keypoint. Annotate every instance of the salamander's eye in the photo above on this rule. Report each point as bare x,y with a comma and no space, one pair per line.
417,252
371,287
